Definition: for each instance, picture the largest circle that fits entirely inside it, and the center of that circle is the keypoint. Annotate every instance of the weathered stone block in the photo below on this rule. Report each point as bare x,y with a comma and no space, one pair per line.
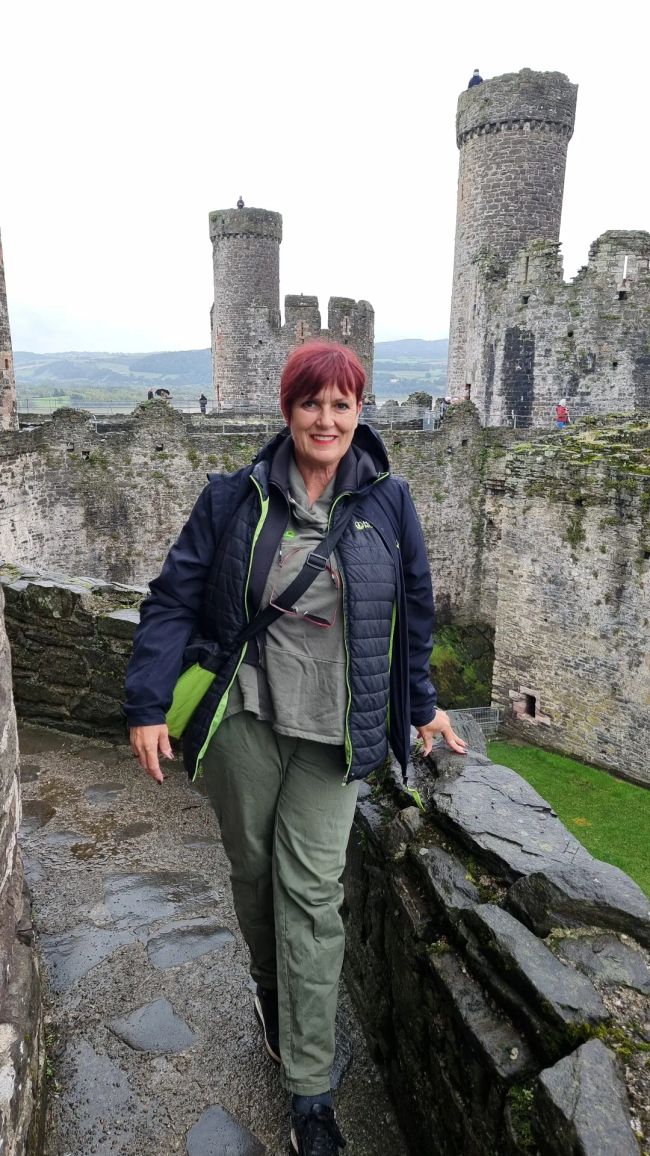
606,958
581,1106
65,667
563,998
104,712
504,1051
445,880
589,893
42,695
119,623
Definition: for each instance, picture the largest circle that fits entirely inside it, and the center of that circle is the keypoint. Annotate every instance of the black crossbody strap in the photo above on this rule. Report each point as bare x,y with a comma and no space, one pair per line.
316,562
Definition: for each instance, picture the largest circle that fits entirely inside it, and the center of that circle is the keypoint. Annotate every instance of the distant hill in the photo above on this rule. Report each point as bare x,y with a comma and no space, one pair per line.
135,371
409,366
413,348
401,368
188,363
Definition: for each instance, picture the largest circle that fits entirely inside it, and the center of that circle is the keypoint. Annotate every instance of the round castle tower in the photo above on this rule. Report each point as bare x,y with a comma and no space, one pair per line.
246,260
8,407
512,132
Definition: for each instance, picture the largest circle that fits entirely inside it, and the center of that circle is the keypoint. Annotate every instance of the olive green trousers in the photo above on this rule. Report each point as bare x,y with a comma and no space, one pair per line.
285,818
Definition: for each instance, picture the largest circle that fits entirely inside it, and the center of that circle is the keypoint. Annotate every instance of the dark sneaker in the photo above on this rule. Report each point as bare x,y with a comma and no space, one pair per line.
266,1010
316,1134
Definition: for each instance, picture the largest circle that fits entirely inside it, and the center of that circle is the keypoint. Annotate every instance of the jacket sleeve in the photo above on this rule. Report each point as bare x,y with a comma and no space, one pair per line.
419,612
168,616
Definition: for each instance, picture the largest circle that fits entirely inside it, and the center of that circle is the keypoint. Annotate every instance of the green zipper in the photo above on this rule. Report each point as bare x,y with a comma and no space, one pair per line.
346,734
223,701
347,738
393,620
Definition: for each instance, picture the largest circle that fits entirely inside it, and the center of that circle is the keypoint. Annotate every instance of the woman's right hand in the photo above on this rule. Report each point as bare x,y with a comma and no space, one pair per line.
147,743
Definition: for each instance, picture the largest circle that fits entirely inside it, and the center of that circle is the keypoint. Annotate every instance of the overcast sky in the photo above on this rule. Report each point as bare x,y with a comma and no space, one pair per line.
124,124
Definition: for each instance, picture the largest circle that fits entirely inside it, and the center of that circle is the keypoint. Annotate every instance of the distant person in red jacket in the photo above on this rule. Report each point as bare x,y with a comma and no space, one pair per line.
562,418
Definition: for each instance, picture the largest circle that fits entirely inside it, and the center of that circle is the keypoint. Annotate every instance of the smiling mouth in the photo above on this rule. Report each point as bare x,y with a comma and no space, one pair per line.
325,438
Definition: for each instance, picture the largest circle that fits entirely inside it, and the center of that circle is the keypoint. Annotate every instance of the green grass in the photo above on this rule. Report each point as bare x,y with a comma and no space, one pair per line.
609,817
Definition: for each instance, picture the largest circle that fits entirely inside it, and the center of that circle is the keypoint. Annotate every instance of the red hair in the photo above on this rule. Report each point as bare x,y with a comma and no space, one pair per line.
315,365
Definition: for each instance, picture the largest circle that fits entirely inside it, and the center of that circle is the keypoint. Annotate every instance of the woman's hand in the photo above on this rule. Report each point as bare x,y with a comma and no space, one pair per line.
146,744
440,725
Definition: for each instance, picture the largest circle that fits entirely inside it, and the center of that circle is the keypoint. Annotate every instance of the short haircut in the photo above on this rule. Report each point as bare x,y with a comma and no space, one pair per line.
315,365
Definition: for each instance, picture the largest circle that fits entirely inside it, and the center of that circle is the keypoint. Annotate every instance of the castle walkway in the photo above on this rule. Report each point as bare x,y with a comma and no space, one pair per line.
152,1042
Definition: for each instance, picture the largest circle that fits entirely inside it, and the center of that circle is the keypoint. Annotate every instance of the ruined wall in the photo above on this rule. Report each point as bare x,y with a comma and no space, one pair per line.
71,643
536,338
512,132
249,343
571,648
110,501
22,1052
8,409
497,967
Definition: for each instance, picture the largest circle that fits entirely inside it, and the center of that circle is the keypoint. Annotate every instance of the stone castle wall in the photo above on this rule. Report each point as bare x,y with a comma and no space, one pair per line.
22,1051
249,343
8,408
109,501
571,648
537,338
512,132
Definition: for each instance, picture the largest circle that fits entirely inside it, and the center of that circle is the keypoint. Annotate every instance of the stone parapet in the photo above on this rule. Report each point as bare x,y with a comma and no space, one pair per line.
486,1025
71,643
246,223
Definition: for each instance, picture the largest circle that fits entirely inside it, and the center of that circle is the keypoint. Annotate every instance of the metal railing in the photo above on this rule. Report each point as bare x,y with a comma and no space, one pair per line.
388,416
48,405
487,717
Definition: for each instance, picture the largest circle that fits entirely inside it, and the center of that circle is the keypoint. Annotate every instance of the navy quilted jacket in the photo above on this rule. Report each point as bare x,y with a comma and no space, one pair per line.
214,575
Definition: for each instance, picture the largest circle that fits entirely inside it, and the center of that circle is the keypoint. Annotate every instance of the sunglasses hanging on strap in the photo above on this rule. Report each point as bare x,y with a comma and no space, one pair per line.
194,683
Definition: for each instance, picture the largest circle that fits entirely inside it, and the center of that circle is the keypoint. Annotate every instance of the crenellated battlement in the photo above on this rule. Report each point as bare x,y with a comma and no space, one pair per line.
545,100
520,123
246,223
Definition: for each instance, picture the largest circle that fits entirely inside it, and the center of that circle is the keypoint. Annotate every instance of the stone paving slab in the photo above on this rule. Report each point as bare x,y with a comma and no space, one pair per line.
117,864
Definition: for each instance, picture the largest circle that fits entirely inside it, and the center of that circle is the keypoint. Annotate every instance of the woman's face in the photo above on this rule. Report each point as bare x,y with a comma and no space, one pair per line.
322,427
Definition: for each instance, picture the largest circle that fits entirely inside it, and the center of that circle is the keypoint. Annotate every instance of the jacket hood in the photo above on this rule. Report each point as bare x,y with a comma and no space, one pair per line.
365,460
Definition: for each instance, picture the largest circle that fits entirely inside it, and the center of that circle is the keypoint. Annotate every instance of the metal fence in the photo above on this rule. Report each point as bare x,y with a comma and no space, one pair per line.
386,417
487,717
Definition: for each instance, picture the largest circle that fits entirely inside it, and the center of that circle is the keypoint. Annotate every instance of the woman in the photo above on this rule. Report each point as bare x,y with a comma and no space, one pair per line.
303,708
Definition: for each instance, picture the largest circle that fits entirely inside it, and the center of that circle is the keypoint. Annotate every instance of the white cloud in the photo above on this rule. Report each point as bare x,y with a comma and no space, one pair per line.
128,123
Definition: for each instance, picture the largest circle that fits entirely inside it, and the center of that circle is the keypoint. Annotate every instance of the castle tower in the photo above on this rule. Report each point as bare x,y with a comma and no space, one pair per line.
8,406
512,133
246,312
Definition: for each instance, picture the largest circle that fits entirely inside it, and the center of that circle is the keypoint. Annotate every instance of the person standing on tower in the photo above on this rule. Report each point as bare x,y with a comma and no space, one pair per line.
475,79
203,402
